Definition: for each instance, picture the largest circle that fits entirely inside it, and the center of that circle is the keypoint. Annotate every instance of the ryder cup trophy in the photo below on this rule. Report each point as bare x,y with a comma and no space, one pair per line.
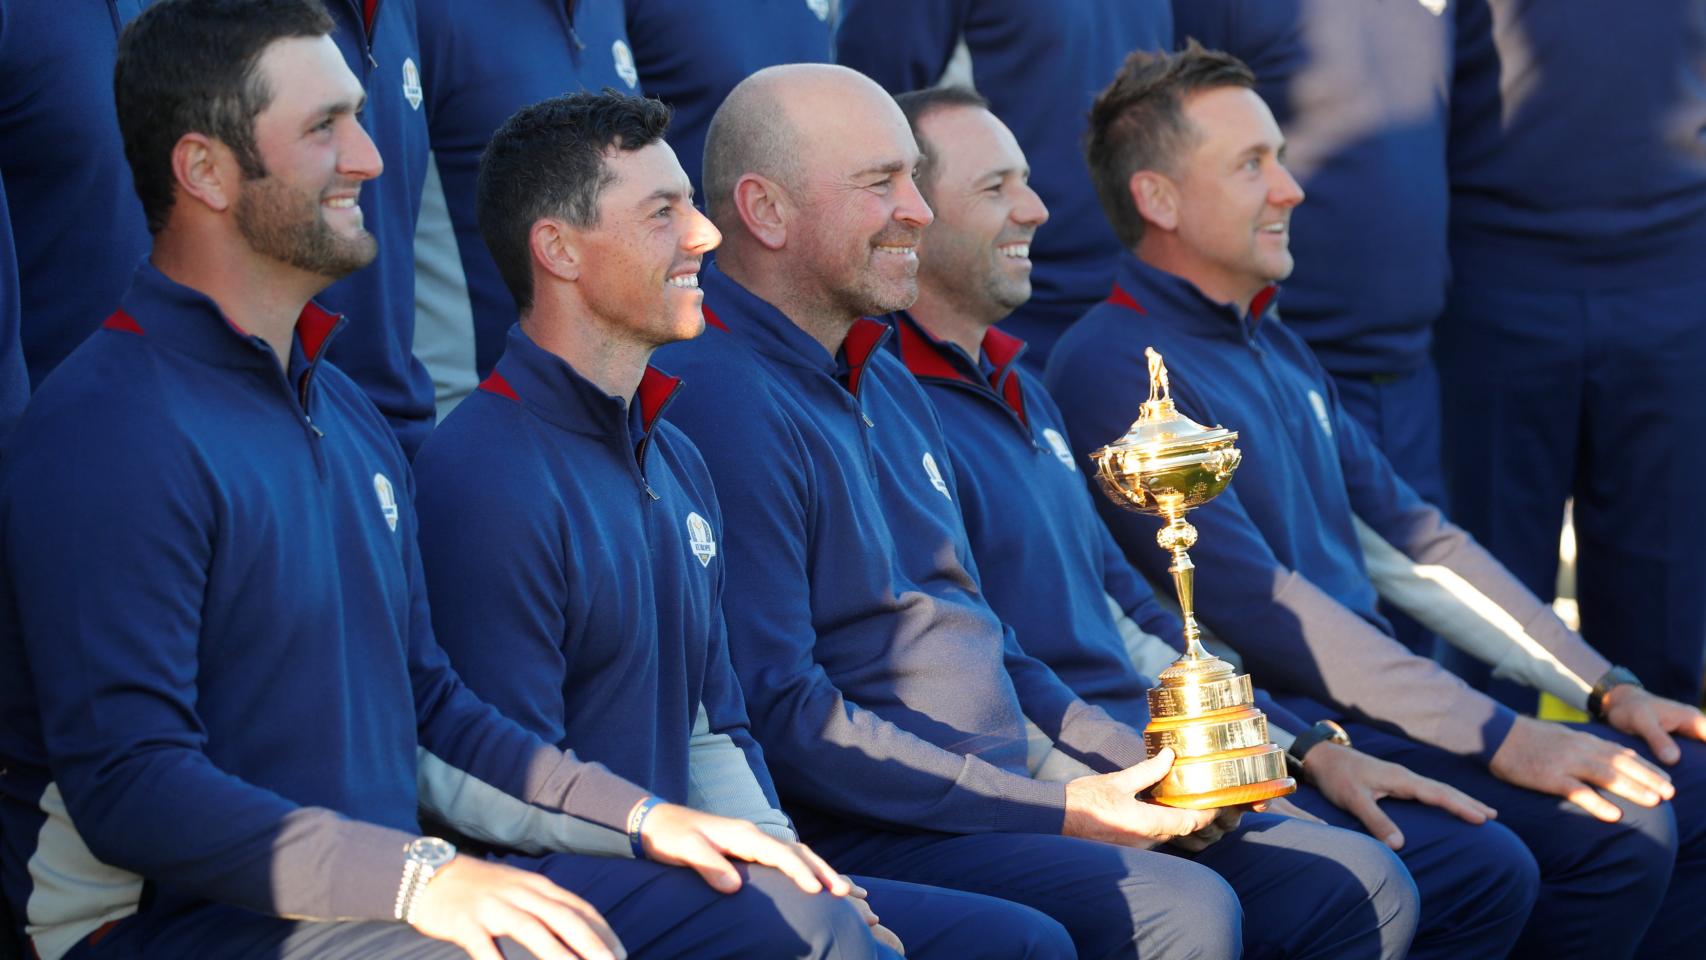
1164,466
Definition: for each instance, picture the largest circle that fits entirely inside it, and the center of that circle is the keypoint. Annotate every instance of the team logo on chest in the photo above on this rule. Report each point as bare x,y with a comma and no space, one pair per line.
819,7
935,475
625,68
699,539
1062,452
1320,407
412,83
387,500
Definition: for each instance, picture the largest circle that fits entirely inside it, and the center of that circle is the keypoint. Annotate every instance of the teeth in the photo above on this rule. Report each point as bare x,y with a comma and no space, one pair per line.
1021,250
900,251
1274,228
690,281
341,203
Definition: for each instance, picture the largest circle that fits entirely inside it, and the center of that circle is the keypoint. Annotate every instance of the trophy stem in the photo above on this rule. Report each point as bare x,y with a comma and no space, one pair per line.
1176,537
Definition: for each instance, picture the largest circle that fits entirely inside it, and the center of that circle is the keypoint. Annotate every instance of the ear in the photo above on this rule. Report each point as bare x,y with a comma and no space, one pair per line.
764,208
205,170
555,248
1156,198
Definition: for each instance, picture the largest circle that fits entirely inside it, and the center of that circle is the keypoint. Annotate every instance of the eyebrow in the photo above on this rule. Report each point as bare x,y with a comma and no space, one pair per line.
667,194
1003,173
890,168
341,107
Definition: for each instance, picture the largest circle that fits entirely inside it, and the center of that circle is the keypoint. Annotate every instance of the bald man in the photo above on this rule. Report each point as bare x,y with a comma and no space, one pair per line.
889,699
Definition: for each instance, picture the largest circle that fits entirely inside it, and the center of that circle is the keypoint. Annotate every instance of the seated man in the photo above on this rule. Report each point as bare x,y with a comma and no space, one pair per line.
1051,570
220,687
570,534
885,692
1189,162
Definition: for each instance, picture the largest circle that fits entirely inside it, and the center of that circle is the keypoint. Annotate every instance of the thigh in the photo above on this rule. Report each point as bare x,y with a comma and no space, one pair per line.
935,922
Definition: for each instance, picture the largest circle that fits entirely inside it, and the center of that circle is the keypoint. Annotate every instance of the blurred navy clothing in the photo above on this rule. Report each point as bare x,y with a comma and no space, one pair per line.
14,376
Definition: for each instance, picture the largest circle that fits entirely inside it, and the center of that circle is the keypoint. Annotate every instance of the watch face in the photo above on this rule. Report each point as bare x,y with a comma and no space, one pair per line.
431,851
1339,735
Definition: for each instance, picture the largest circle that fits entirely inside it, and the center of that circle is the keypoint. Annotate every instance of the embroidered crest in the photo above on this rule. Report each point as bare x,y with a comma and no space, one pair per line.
1320,406
625,68
1435,7
935,474
387,500
699,539
412,83
1062,452
819,7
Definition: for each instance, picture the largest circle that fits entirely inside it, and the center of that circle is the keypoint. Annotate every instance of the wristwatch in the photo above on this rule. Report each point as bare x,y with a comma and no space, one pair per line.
1323,731
422,858
1615,677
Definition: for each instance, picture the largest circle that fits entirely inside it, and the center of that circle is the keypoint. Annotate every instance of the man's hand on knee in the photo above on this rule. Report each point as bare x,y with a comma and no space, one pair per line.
1106,808
1357,782
472,903
683,837
1555,759
1632,710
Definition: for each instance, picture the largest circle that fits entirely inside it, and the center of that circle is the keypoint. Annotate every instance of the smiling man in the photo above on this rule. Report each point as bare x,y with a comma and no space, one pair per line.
1190,165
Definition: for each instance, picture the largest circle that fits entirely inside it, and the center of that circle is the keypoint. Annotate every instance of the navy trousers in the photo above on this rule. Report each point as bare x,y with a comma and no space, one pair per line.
1302,889
1635,888
656,911
1602,397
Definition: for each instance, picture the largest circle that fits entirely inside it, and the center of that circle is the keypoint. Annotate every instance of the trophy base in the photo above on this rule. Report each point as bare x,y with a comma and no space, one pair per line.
1231,796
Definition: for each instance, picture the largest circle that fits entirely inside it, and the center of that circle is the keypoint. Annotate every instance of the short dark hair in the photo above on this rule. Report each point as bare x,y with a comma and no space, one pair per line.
918,104
191,66
548,161
1138,122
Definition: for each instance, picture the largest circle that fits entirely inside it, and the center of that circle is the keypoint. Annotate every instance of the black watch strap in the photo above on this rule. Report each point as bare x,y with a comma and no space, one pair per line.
1615,677
1324,731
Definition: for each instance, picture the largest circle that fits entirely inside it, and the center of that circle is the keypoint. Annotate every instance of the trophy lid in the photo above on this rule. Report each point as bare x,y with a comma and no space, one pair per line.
1161,430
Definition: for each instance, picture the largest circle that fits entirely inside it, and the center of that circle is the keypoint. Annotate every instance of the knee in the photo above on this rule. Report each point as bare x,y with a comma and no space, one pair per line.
783,920
1382,881
1638,851
1196,916
1510,877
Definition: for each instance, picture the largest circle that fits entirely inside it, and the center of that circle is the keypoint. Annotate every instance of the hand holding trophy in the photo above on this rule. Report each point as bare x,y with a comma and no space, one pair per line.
1165,466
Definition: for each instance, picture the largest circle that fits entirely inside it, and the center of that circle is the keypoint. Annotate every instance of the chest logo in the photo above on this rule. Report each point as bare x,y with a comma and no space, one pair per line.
699,539
412,83
935,474
1320,407
1062,452
387,500
1435,7
819,7
624,59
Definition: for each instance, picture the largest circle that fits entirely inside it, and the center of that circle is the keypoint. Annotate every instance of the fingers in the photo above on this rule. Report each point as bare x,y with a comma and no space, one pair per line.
756,847
1645,725
1649,782
832,879
1442,795
854,890
709,862
1366,809
581,911
557,921
480,947
1597,806
541,942
1140,777
1690,723
887,938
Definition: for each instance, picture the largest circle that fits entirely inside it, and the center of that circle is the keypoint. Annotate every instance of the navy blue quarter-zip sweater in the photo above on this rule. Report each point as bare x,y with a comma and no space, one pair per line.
1041,65
571,543
77,224
479,71
1578,144
883,688
1046,561
1360,90
219,671
1281,575
377,350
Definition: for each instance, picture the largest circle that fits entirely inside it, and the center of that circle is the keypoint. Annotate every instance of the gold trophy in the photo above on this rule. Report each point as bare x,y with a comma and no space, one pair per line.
1164,466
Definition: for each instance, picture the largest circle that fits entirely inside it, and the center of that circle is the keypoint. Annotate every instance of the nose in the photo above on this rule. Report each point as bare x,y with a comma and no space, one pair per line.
911,208
1030,211
358,158
701,236
1284,191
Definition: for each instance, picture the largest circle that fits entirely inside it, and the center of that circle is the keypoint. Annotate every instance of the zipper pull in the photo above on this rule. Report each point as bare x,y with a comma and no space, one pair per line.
310,422
867,418
650,492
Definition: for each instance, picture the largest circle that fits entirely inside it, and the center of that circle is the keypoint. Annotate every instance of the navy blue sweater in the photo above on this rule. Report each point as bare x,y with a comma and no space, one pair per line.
479,70
881,685
211,575
1047,563
691,54
1281,575
571,550
1360,90
1041,65
378,350
14,376
1578,158
76,221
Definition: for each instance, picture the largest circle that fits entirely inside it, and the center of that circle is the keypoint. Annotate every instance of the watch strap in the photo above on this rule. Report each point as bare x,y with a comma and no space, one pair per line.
1615,677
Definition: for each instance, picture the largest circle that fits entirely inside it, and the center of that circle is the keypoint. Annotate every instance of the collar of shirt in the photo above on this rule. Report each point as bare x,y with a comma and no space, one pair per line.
1141,287
996,366
770,332
555,392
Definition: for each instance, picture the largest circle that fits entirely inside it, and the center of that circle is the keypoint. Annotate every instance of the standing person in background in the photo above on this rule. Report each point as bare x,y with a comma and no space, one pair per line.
1360,91
477,72
1039,65
1573,344
670,38
76,226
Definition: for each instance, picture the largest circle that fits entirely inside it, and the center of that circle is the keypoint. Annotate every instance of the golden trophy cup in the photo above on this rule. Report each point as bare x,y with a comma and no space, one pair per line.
1166,465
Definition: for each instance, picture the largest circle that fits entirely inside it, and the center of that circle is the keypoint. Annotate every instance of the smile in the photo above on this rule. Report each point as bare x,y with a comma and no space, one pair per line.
1018,251
689,281
909,252
340,203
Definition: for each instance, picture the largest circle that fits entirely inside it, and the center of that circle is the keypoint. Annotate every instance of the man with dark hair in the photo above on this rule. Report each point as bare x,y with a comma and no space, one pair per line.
1287,548
571,535
223,704
889,698
1051,570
